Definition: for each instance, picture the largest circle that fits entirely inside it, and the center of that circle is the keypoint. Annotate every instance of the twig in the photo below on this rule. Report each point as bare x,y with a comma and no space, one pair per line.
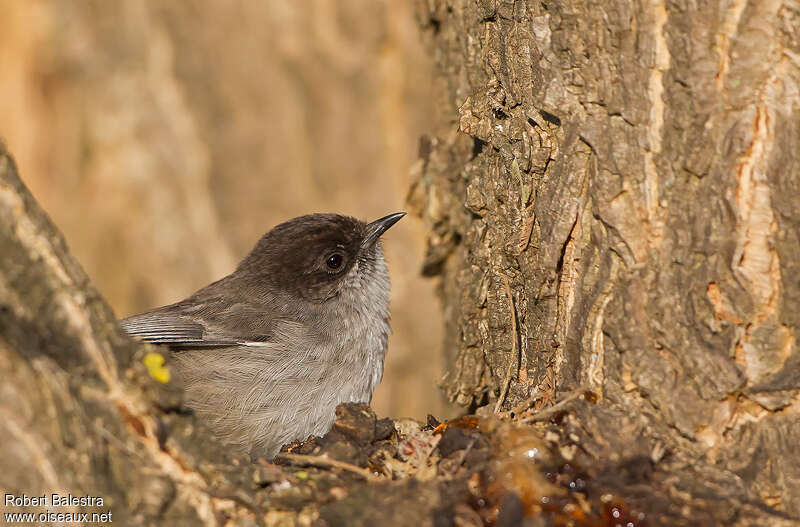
463,455
326,462
546,413
527,403
116,441
507,382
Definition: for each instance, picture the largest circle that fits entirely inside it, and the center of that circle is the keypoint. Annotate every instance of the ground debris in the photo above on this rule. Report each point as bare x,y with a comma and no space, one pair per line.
583,465
469,471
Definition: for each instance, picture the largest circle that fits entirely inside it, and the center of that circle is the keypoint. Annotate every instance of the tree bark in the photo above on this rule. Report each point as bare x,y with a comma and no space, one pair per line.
632,170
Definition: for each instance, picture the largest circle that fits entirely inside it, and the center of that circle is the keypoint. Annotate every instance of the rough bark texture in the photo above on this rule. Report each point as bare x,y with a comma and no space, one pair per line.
633,170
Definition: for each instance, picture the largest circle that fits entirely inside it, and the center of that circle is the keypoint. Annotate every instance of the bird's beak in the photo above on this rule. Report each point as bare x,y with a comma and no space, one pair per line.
378,227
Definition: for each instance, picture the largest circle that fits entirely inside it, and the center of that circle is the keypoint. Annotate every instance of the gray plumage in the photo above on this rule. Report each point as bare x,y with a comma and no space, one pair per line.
267,352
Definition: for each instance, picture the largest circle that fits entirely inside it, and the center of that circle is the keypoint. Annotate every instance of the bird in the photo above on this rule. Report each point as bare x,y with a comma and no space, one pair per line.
301,325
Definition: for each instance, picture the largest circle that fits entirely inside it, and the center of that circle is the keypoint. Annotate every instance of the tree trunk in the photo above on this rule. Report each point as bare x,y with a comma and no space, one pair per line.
632,170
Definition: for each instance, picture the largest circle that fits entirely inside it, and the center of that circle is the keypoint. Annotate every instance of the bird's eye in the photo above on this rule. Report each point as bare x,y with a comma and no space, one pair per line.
334,261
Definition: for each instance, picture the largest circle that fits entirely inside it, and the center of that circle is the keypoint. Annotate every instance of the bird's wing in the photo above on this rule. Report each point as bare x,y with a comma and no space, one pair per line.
220,315
174,330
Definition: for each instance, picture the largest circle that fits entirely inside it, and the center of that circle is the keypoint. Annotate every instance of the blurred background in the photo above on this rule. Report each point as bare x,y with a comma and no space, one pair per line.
164,138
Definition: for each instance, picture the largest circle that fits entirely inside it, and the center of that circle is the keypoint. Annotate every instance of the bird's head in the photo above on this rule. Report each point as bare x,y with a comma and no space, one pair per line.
318,256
